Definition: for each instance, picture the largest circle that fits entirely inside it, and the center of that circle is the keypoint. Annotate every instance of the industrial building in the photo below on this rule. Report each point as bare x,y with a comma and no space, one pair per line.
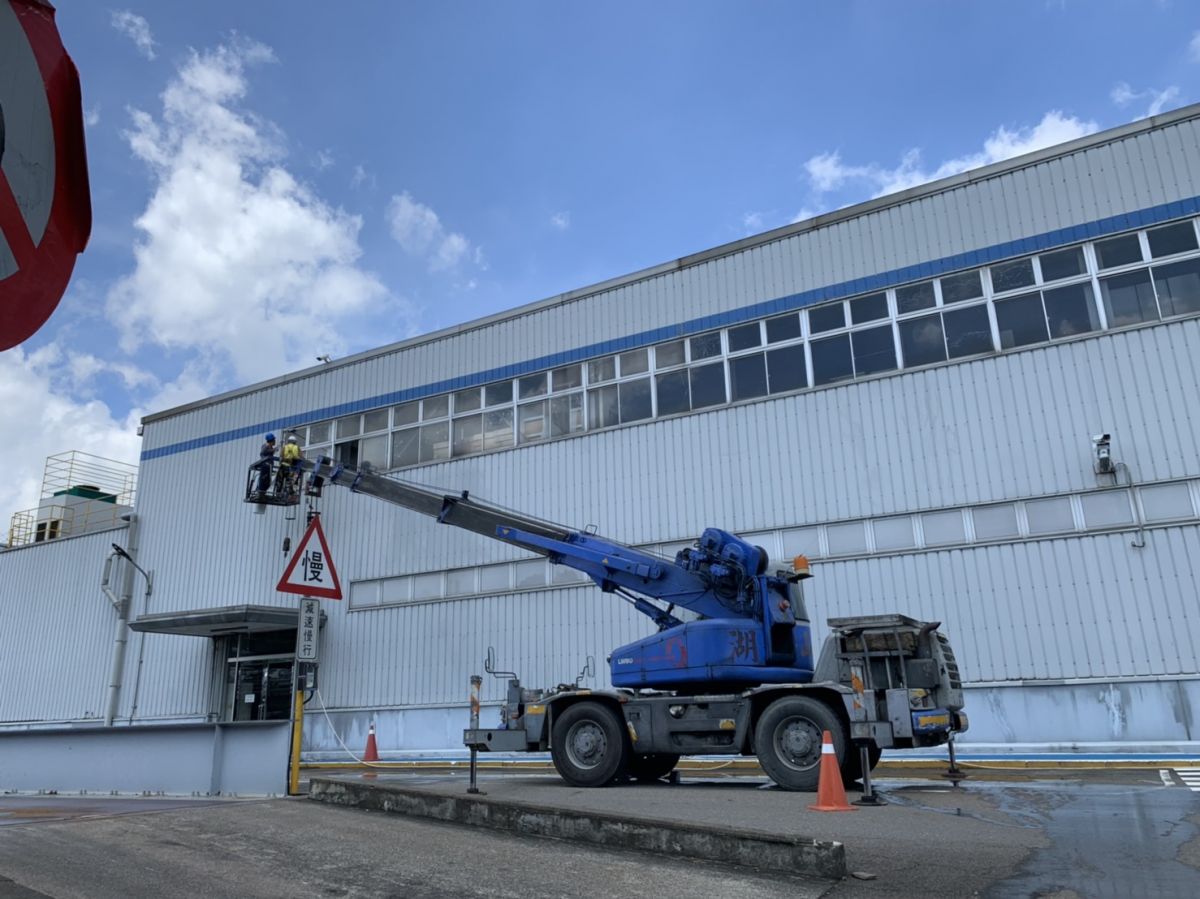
974,402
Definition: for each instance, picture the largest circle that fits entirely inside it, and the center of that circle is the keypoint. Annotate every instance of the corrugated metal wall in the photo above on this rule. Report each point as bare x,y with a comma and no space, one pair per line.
1009,426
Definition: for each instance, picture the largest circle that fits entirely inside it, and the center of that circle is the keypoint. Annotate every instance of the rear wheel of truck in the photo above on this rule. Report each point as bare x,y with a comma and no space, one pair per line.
650,766
588,745
787,740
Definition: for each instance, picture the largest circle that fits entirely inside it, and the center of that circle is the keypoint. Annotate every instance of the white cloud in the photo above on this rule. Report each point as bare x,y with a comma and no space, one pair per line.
1122,95
36,394
362,178
827,172
324,160
420,232
561,220
804,214
137,29
91,117
1194,47
237,260
752,222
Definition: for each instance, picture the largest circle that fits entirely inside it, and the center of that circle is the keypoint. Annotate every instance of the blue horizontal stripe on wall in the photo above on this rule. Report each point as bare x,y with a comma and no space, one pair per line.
1020,247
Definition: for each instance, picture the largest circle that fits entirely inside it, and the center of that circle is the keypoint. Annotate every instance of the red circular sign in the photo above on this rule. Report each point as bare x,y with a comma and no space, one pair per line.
45,207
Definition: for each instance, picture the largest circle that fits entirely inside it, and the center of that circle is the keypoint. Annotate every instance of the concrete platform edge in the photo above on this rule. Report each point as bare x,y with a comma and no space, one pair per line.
825,859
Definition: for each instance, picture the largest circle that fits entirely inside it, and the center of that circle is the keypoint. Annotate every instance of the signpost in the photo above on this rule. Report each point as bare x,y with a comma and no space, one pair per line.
310,573
45,205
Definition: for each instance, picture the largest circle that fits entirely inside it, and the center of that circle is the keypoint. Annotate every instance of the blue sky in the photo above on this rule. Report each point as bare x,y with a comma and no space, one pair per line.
276,180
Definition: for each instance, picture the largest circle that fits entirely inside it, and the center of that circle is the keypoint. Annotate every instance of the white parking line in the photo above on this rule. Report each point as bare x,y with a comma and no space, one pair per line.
1190,778
1166,777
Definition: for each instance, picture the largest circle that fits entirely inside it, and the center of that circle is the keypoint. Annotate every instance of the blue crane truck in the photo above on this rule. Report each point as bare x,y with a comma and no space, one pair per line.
737,678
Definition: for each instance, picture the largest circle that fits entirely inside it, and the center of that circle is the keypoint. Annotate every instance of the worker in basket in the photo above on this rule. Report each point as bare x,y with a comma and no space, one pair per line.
266,457
289,470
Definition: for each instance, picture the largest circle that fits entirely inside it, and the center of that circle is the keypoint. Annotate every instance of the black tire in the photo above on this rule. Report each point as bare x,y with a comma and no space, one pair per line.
651,766
787,740
589,745
852,766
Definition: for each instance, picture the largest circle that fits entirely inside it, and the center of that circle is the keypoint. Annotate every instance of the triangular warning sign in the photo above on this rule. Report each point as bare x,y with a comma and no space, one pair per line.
311,571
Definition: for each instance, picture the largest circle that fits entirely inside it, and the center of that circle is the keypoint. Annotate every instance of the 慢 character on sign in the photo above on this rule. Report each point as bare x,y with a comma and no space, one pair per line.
314,566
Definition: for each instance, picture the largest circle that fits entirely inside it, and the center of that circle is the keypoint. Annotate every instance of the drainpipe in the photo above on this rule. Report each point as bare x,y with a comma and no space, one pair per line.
121,603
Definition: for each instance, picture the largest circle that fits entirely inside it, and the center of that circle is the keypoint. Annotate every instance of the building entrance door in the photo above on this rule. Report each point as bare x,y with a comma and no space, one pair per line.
258,677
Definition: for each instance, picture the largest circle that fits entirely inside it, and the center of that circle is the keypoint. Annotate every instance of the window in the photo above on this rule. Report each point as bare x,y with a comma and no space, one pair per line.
802,542
468,435
318,433
1165,502
745,337
604,409
995,522
846,539
942,528
495,578
1048,516
634,362
668,354
786,369
1129,298
350,426
705,346
532,385
1021,321
435,441
1178,287
826,318
673,394
1012,275
428,586
396,590
1062,264
831,360
497,429
747,377
566,414
869,308
1071,310
531,422
921,340
376,420
968,331
436,407
498,394
1105,510
635,400
406,448
467,400
874,350
373,451
894,533
460,582
960,287
600,370
913,297
785,327
1118,251
1178,238
567,377
406,414
708,385
529,573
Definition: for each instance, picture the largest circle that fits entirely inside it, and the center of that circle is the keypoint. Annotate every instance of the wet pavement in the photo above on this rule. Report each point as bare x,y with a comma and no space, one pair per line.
999,835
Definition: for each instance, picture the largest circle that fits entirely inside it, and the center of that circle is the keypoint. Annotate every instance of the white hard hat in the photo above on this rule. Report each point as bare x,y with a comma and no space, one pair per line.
292,439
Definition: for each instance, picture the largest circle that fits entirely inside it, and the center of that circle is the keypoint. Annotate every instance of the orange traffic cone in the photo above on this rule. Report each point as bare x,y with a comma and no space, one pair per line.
372,752
831,795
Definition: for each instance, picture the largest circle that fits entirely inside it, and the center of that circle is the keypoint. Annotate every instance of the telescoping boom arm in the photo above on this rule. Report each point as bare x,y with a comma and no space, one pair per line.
709,586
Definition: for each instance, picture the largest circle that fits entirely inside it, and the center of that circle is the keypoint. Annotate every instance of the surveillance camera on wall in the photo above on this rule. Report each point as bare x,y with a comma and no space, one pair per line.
1101,444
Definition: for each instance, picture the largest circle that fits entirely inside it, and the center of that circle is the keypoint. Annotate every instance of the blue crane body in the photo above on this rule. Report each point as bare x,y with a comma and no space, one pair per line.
738,677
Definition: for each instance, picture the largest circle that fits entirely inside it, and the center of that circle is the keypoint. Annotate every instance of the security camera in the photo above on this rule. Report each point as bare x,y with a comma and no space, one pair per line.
1103,453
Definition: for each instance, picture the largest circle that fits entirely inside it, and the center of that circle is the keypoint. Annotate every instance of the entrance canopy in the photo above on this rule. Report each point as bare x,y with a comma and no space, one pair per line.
244,619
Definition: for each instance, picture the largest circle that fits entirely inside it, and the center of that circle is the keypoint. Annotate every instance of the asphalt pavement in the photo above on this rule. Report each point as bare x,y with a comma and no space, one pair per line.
1006,835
